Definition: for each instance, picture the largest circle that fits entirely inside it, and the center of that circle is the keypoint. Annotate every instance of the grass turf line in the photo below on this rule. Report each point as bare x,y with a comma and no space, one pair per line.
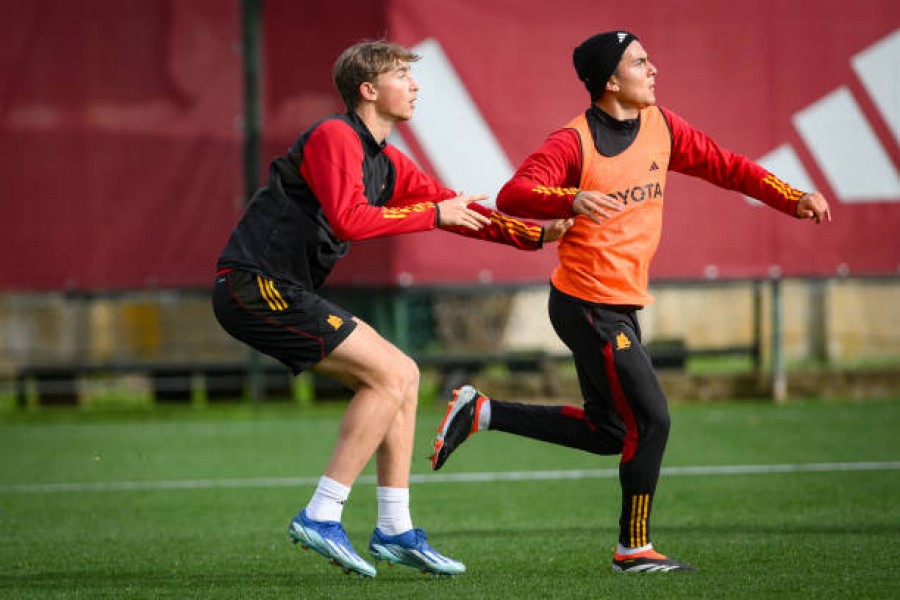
797,535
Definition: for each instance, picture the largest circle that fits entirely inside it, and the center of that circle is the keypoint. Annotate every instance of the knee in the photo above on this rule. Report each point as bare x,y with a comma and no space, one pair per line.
664,420
658,423
408,378
400,379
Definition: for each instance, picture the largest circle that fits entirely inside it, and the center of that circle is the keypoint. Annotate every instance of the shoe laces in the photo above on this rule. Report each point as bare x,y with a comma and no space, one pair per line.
420,538
337,531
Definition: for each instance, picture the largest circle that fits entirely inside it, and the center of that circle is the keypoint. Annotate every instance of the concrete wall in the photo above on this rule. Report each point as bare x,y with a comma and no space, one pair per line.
53,328
845,320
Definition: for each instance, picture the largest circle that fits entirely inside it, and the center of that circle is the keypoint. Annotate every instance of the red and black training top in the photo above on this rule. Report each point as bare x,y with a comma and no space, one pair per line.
338,184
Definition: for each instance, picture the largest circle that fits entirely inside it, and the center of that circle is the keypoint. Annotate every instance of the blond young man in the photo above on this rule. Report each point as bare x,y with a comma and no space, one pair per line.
342,182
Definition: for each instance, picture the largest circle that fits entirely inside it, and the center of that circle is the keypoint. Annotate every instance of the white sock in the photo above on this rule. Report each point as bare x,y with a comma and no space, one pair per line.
327,502
484,416
626,551
393,510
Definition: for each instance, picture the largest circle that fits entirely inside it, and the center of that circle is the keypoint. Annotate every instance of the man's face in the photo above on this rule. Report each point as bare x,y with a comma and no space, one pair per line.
635,77
396,92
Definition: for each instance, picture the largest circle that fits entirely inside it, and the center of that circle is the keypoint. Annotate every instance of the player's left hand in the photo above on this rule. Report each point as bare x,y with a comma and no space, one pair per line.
814,206
556,228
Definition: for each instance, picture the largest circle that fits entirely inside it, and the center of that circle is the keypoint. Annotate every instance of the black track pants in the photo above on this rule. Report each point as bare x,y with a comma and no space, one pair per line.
625,411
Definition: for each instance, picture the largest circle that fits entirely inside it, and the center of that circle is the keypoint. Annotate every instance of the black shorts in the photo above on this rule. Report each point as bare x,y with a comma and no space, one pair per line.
287,322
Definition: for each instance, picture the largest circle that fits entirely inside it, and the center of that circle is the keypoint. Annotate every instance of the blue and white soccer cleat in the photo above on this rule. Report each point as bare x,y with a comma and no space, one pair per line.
329,539
410,548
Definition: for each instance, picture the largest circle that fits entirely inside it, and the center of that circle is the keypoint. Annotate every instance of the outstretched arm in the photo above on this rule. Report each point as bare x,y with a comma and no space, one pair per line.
462,214
695,153
504,229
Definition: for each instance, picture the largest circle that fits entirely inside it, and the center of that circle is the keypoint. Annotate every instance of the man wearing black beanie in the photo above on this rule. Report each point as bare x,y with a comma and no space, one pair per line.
607,168
597,57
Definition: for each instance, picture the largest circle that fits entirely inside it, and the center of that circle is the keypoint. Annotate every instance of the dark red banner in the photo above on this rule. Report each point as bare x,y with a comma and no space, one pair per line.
120,128
819,108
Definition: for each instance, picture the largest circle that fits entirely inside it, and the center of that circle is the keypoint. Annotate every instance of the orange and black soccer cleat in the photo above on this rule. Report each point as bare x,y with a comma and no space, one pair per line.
649,561
460,421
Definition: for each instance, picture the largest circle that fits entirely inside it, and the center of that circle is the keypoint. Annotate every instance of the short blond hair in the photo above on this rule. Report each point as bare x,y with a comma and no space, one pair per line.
364,62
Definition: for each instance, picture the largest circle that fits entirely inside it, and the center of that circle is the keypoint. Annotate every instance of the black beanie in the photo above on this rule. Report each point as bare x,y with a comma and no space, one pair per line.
598,56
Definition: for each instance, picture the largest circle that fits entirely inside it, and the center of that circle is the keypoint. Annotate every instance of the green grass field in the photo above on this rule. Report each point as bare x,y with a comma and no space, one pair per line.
187,504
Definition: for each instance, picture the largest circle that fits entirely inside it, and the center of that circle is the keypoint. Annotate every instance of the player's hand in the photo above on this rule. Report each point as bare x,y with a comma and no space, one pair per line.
455,212
556,228
596,206
814,206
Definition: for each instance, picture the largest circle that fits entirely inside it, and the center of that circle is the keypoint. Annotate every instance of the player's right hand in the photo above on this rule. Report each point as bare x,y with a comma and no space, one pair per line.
456,213
595,205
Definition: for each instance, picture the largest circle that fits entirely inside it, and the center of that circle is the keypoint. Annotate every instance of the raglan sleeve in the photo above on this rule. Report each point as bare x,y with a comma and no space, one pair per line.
332,167
546,183
695,153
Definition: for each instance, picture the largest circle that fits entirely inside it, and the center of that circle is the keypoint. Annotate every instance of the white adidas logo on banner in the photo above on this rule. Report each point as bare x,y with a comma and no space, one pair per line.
842,142
840,138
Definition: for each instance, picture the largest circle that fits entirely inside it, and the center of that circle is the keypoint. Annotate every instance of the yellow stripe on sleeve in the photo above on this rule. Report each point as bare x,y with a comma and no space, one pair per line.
516,228
402,213
783,188
554,191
